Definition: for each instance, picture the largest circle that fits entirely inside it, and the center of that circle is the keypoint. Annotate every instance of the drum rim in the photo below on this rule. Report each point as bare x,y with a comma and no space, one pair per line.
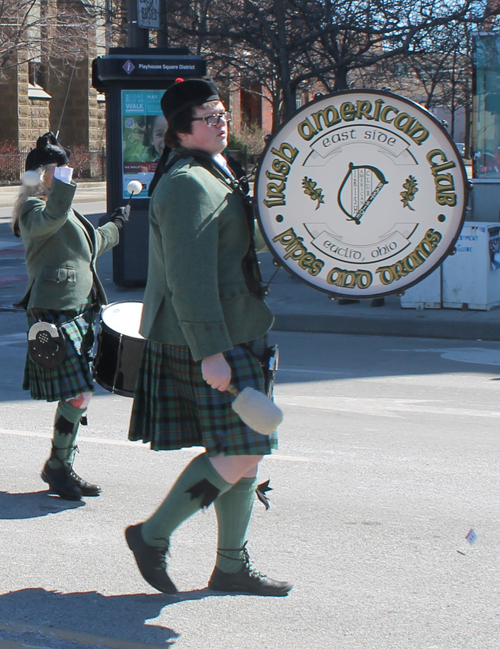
270,142
105,325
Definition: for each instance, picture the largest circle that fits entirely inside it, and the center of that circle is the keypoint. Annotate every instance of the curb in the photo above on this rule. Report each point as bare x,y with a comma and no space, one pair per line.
445,329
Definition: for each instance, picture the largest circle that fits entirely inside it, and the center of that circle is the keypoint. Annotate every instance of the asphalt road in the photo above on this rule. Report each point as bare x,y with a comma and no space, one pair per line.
389,456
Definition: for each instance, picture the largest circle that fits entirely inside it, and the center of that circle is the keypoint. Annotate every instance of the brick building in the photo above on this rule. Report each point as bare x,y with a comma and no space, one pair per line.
39,92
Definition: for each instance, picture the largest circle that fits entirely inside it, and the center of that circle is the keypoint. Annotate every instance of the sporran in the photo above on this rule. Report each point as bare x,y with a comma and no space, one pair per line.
46,345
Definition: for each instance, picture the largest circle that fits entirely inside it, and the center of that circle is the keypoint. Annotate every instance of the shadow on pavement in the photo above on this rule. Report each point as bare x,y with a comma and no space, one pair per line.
15,506
118,616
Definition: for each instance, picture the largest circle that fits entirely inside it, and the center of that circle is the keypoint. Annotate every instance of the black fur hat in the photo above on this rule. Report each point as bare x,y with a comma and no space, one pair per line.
185,94
47,151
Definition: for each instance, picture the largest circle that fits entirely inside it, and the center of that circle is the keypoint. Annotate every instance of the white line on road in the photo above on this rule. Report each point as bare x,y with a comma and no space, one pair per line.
293,369
380,407
144,447
11,339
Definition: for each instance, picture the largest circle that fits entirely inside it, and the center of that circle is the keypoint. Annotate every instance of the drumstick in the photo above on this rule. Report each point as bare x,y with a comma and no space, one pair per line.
134,187
256,410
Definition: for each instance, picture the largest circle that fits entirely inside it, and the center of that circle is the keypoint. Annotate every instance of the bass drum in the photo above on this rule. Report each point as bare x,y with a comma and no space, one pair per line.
119,347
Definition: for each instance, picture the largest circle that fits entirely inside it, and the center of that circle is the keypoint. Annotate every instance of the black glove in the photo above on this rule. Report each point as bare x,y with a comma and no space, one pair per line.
120,215
47,151
51,145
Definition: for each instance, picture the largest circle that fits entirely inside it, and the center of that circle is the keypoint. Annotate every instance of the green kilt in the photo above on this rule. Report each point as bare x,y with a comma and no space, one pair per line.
74,375
175,408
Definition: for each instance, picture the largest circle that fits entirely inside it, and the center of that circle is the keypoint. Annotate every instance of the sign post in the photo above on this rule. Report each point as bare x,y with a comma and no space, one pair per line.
148,14
361,194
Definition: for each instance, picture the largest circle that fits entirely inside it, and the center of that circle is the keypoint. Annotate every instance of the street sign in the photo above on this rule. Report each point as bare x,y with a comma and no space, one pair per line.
361,194
148,14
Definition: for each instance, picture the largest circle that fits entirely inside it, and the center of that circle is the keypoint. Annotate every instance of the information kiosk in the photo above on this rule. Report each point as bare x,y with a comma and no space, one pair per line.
134,81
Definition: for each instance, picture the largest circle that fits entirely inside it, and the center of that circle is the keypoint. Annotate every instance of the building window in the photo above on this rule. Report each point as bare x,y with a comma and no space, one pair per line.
36,76
251,105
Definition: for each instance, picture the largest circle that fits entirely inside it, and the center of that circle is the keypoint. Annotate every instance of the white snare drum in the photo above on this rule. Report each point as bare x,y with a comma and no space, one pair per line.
119,347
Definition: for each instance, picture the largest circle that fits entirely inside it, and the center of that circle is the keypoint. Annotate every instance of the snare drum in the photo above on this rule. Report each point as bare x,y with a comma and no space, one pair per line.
119,347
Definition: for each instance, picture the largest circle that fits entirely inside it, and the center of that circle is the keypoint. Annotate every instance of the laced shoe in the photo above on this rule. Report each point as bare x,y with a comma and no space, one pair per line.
87,488
150,560
64,481
248,580
61,482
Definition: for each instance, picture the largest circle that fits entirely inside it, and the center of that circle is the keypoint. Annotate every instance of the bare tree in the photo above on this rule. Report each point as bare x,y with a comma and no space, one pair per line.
45,30
291,42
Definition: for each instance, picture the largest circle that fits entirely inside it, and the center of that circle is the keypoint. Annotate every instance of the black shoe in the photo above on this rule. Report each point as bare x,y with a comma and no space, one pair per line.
87,488
248,580
150,560
61,482
68,476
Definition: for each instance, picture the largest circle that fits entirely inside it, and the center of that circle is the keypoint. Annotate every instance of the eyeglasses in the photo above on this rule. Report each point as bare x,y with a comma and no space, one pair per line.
215,119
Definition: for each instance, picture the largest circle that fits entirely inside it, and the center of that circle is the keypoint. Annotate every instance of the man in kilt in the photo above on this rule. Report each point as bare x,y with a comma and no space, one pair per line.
205,325
63,295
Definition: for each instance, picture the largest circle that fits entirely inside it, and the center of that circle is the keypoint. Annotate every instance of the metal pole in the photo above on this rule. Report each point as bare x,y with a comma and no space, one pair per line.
163,31
137,36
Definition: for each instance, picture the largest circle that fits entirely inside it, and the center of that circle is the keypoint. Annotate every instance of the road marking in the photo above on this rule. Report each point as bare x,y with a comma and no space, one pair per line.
380,407
12,339
69,636
293,369
144,447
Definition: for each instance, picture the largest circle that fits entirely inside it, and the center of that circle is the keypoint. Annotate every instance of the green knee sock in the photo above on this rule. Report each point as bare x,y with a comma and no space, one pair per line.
66,423
193,490
234,509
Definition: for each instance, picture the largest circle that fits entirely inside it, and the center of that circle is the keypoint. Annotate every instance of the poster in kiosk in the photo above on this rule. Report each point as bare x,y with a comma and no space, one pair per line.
134,81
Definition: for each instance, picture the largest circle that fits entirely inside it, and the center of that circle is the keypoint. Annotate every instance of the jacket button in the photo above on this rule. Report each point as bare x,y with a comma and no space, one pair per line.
208,328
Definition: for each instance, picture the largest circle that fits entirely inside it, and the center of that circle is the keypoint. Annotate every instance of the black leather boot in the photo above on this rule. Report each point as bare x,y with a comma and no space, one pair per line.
150,560
61,482
64,481
248,580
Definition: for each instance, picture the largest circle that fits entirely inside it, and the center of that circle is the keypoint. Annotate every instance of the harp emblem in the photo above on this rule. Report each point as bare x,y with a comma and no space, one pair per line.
359,189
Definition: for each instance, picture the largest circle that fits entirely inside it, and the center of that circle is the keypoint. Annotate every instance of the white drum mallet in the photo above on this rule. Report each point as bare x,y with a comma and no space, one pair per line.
134,187
256,410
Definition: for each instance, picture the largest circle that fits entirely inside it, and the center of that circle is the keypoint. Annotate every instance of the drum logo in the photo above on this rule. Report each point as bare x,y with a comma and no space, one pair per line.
361,193
359,190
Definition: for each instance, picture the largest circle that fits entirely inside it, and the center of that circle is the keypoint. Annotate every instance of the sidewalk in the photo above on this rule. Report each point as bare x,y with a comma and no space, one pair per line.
88,192
297,306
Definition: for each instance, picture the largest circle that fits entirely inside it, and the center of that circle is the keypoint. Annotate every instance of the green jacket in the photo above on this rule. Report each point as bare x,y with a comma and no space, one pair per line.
196,293
61,250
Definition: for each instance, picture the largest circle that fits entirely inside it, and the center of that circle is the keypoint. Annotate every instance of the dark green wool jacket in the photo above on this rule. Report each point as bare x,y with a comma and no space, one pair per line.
61,250
196,293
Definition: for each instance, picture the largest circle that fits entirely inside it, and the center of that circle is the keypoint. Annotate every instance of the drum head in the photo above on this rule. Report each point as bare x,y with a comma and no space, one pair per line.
361,194
124,318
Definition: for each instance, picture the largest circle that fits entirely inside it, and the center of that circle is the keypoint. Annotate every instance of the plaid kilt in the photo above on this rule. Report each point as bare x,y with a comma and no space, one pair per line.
74,374
175,408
